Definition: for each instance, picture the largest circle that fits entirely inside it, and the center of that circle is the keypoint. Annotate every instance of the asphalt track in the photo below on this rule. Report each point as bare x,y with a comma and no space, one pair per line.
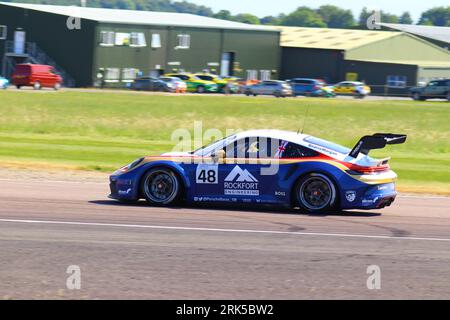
141,252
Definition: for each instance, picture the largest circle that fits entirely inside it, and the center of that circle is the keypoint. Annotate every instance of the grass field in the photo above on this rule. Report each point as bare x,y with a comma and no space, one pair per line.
101,131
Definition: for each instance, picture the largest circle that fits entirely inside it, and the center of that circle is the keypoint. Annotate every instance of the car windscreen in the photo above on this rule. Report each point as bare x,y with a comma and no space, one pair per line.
327,144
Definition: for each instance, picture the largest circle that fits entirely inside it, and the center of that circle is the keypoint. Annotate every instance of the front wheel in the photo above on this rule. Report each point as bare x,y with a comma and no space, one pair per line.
161,186
417,97
316,193
201,89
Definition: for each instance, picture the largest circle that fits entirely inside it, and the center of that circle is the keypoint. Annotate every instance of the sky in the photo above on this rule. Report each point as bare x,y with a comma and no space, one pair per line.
263,8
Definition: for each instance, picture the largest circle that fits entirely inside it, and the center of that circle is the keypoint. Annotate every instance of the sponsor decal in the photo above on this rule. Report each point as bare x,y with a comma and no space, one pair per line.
124,192
211,199
280,193
241,182
350,196
322,149
281,149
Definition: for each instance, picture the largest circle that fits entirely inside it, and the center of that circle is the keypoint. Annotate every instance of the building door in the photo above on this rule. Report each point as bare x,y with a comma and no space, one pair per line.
226,66
19,42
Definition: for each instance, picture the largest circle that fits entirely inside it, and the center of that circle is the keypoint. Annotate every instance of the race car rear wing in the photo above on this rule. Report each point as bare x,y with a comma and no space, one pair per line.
376,141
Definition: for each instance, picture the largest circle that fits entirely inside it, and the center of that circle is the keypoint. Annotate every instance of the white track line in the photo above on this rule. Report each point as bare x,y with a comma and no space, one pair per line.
344,235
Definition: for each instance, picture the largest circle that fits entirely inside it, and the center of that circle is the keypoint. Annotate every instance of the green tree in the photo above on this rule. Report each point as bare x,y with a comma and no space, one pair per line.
438,16
247,18
405,18
363,16
304,17
336,17
389,18
224,14
270,20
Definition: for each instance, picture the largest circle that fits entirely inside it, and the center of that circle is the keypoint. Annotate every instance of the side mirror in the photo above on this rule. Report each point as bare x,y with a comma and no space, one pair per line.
218,155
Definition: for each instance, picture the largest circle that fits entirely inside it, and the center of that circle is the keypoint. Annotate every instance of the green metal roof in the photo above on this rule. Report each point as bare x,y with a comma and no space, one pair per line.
420,63
139,17
327,38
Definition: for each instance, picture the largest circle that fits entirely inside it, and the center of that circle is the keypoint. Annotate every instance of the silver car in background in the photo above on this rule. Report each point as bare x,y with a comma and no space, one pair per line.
271,87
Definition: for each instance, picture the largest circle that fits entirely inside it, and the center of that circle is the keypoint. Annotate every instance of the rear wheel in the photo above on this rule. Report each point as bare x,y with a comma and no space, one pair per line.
37,85
161,186
201,89
57,86
316,193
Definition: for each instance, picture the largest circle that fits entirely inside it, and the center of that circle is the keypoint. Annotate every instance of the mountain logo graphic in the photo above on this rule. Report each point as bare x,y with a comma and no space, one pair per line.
239,175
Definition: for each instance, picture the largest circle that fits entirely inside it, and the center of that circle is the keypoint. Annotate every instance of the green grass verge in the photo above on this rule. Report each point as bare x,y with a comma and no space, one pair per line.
101,131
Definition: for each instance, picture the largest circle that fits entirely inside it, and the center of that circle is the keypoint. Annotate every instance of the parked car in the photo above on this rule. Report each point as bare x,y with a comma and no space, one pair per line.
37,76
244,83
271,87
309,87
175,84
149,84
434,89
222,83
195,84
4,83
352,88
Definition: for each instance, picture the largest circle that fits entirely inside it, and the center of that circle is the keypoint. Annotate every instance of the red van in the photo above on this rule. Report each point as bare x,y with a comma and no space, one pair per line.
37,76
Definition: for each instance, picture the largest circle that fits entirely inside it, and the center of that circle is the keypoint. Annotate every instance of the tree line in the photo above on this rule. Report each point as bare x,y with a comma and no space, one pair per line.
325,16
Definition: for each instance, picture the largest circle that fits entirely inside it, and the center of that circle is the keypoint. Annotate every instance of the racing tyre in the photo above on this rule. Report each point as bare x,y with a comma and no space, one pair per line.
201,89
57,86
161,186
37,85
316,193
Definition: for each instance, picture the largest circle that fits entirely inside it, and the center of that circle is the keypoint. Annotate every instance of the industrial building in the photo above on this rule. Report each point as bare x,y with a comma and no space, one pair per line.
89,46
388,61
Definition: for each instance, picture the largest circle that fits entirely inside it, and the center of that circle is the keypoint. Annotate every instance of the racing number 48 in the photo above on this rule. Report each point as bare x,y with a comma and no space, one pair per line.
207,176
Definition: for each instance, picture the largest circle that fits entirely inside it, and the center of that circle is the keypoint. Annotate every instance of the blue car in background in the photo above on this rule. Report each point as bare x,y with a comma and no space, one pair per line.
309,87
4,83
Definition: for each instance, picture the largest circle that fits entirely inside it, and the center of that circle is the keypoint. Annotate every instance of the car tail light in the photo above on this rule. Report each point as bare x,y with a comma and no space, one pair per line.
355,169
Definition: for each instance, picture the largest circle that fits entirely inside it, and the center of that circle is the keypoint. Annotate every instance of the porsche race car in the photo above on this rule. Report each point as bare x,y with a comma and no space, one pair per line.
267,167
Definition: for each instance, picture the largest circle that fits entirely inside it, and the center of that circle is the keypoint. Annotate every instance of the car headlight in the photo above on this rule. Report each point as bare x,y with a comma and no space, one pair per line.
129,167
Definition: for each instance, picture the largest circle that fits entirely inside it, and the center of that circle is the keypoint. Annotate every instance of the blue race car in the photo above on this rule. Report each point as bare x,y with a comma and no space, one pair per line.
4,83
270,167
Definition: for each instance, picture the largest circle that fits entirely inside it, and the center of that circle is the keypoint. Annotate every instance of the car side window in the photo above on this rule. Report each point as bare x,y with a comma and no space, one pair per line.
237,149
293,150
252,147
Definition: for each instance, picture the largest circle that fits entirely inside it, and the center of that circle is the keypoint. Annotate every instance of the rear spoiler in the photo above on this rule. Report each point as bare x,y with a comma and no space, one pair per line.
376,141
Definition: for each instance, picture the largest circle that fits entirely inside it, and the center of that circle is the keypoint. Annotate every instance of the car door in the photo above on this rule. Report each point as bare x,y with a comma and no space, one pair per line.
248,173
235,178
340,88
430,90
441,89
258,88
